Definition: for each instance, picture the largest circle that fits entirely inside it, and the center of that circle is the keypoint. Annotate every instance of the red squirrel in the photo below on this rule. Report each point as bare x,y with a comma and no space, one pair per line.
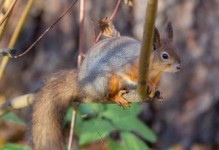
109,70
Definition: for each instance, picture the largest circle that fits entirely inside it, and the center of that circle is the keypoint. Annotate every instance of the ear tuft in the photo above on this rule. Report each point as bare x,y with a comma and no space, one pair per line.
169,31
156,39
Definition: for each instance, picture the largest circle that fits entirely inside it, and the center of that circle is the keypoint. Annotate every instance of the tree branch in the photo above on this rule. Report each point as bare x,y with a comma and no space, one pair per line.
144,59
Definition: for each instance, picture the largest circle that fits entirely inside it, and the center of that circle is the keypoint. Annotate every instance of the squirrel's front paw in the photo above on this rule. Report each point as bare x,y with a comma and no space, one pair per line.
151,90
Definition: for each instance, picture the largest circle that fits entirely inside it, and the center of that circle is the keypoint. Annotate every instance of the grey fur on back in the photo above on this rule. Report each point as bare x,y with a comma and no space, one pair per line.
108,57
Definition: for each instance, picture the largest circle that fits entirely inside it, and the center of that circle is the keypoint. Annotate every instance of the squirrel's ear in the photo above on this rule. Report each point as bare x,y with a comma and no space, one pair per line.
169,31
156,39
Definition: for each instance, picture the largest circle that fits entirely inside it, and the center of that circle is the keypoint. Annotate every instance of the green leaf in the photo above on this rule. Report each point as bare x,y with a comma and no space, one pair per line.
114,112
78,124
112,145
12,117
144,131
68,115
131,142
91,108
94,129
10,146
126,120
135,125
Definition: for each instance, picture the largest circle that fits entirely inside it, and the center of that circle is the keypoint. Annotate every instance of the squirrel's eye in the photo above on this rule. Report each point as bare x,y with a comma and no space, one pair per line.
165,55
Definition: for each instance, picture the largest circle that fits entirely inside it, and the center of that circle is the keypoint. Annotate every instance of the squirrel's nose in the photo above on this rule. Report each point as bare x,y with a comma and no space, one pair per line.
179,66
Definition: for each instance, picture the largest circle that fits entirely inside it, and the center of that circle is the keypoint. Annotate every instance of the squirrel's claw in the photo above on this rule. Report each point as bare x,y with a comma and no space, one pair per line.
148,89
124,104
157,96
153,93
121,101
121,92
151,90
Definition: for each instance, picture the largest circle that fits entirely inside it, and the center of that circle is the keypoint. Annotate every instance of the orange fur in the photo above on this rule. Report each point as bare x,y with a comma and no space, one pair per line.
129,74
115,93
114,83
132,71
154,77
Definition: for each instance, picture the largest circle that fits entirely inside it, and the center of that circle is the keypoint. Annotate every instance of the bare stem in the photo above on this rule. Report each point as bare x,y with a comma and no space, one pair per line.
16,34
115,10
8,12
111,17
94,31
98,37
6,7
80,56
81,31
74,113
144,59
47,30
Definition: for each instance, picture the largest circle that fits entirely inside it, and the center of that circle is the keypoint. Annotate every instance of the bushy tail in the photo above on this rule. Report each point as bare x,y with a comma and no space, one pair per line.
48,111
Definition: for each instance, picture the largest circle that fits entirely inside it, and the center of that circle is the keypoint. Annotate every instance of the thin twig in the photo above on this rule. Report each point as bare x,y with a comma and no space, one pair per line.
98,37
8,12
81,31
74,113
16,34
47,30
144,59
94,31
80,56
6,5
111,17
115,10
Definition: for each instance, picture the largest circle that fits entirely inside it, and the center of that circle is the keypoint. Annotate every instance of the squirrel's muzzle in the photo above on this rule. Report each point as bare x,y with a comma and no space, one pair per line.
179,66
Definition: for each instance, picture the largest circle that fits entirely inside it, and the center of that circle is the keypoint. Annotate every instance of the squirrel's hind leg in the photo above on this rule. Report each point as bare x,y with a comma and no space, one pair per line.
115,91
121,101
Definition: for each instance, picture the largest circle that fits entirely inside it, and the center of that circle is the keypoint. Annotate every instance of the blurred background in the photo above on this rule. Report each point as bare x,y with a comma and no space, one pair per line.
187,117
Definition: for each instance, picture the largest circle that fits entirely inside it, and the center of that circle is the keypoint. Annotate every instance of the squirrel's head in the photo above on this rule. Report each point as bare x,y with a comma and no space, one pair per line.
164,56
